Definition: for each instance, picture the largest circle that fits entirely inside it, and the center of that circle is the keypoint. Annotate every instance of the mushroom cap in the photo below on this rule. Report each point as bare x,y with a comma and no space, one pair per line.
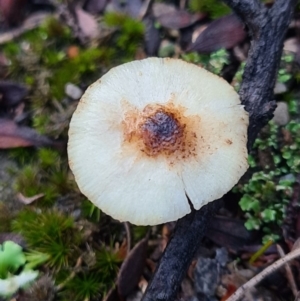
152,138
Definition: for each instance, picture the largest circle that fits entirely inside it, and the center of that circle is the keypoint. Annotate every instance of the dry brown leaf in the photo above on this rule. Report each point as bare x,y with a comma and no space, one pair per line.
112,295
225,32
11,94
296,244
13,135
12,11
87,24
152,37
16,238
123,250
178,19
132,268
28,200
95,6
231,234
159,9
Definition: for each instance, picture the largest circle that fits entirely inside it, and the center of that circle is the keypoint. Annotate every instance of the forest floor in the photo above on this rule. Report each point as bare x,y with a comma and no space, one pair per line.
50,52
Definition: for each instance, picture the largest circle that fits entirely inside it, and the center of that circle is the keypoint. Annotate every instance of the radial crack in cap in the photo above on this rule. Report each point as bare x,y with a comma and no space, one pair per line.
151,135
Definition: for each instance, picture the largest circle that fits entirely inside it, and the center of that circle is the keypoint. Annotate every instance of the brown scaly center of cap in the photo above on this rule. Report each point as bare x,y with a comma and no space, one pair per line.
161,130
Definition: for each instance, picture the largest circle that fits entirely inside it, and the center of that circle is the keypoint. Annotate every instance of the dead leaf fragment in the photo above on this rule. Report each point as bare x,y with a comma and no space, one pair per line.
16,238
132,268
178,19
12,11
28,200
152,37
230,233
13,135
87,24
225,32
11,93
112,295
160,9
95,6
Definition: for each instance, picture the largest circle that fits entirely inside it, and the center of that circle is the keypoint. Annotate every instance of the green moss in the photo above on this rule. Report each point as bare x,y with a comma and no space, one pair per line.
47,173
51,233
93,279
84,286
28,181
42,59
73,70
5,218
108,263
215,8
130,34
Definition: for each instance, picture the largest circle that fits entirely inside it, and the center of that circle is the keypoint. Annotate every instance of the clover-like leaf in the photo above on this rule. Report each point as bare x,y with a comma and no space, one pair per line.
11,258
268,215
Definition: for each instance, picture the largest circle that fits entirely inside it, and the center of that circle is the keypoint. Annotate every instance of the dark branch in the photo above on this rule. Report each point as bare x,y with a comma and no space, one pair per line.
267,28
249,11
179,253
263,59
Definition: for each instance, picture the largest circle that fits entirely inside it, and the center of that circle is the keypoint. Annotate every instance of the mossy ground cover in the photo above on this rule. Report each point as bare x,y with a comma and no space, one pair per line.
46,59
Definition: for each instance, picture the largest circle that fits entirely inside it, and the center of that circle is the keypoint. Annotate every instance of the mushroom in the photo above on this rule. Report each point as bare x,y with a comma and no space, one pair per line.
153,139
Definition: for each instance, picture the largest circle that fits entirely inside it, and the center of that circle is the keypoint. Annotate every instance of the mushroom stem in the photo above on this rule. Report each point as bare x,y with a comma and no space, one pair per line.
267,28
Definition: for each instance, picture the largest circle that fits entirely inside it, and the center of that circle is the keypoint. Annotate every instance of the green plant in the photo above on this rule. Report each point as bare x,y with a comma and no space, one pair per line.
290,152
12,259
90,211
50,233
274,162
284,72
238,76
213,62
264,200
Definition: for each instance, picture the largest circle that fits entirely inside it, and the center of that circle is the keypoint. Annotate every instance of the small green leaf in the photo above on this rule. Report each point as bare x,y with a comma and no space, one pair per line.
248,203
253,223
11,258
269,215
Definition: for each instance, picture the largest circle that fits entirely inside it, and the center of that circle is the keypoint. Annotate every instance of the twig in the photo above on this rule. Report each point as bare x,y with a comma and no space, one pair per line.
297,297
238,294
145,8
128,236
267,28
30,23
289,273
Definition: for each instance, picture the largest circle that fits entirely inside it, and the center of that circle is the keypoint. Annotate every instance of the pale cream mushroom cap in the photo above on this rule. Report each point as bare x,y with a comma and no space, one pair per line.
114,131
